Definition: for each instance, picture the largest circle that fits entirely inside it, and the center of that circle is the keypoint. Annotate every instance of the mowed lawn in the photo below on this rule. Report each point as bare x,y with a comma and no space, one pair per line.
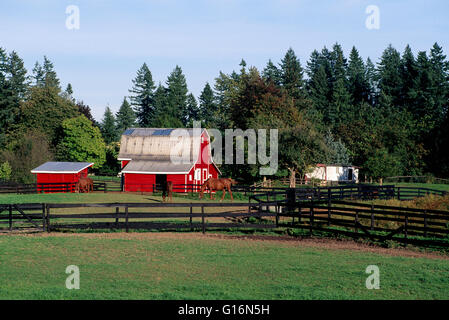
180,266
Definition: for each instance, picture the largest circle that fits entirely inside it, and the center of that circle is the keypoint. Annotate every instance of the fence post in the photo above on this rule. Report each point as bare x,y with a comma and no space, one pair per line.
329,204
191,217
356,221
126,218
405,227
117,212
399,193
311,218
372,217
48,218
202,219
425,223
105,187
277,215
10,217
43,217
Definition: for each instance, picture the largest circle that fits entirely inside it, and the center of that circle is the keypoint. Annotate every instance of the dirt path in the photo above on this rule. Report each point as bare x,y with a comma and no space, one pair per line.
320,243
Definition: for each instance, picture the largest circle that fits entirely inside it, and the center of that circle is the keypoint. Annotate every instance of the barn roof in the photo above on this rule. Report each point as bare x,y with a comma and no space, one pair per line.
151,149
61,167
157,144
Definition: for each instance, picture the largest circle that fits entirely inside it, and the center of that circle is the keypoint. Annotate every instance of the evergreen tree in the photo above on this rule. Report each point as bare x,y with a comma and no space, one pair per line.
292,75
390,78
272,73
440,81
142,98
207,105
319,90
7,97
38,75
409,90
125,117
17,76
108,128
176,94
192,111
50,77
357,81
371,78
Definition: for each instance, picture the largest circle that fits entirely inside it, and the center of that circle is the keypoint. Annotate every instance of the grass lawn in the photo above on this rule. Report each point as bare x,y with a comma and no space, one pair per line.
169,266
442,187
100,197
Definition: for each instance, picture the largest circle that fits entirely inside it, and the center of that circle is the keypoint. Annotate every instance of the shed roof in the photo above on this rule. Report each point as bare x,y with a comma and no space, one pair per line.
61,167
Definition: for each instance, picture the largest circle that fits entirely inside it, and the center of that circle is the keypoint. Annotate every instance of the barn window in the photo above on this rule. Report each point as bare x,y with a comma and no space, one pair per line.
190,177
202,139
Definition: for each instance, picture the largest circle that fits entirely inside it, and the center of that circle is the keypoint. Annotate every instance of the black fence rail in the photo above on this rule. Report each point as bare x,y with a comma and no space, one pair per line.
355,192
28,217
376,222
138,216
357,220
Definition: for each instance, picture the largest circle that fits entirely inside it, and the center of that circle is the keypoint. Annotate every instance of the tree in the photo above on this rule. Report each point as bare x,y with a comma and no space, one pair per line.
207,105
176,94
5,171
292,75
50,77
17,77
29,150
125,117
272,73
85,110
390,78
383,164
357,78
108,128
7,97
192,111
142,97
80,141
337,151
44,111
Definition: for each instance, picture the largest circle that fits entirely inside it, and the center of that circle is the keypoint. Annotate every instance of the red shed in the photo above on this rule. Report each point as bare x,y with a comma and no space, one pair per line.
152,156
60,176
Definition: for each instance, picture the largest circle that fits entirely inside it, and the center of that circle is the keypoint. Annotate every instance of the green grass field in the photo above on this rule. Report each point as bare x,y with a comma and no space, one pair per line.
193,266
196,267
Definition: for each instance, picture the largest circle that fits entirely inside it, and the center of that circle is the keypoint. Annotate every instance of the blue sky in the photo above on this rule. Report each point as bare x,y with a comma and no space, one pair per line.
203,37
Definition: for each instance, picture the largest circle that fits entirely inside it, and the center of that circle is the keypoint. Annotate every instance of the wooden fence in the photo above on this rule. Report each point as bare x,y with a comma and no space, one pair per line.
376,222
357,220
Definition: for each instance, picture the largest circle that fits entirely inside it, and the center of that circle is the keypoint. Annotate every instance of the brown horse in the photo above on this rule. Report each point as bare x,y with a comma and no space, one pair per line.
217,184
167,191
84,184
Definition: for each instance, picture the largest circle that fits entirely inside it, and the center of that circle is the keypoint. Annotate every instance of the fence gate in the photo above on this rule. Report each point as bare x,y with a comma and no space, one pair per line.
22,217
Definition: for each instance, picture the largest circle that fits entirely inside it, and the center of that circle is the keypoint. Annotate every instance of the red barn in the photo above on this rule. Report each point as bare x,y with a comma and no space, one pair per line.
152,156
60,176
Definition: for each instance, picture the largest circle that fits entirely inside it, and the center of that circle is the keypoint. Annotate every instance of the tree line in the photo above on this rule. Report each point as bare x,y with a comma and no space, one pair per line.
390,117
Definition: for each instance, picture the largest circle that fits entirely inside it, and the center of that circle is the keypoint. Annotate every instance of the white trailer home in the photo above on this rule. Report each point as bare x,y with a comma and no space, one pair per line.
334,172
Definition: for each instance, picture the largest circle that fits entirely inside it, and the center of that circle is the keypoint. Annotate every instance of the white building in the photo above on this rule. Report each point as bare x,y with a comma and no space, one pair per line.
334,172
